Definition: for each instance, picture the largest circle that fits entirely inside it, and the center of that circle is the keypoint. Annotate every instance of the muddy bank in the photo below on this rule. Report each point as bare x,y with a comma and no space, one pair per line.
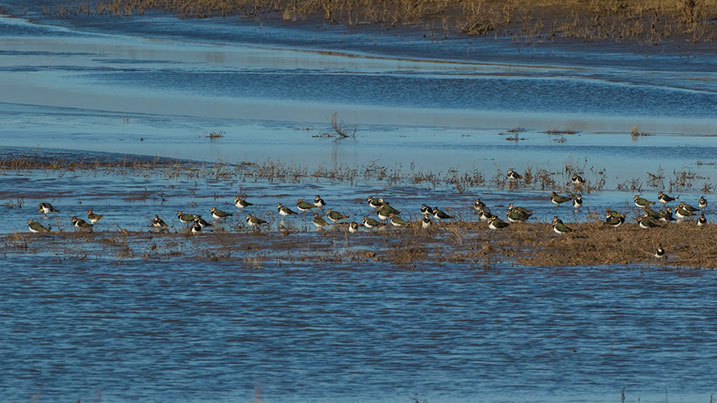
473,243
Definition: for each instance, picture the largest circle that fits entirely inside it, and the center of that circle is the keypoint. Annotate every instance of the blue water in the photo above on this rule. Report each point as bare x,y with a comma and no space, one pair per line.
210,331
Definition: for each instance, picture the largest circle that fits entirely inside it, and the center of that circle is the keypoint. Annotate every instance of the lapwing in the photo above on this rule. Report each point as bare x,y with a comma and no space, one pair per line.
556,220
559,227
46,208
666,215
353,227
254,221
688,207
440,215
611,213
371,223
385,211
319,222
701,220
218,214
196,227
374,203
159,223
92,217
319,202
702,203
652,213
304,206
641,202
485,215
285,211
81,224
682,213
425,210
664,198
514,176
496,223
397,221
241,203
185,218
646,222
557,199
35,226
426,222
578,202
615,221
660,252
335,215
199,220
577,180
478,205
517,214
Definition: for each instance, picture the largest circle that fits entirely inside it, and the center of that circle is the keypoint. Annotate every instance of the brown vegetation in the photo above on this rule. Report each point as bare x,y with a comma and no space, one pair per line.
645,21
529,244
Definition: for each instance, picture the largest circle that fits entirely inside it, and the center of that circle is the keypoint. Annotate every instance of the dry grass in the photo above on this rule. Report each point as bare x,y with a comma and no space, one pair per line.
645,21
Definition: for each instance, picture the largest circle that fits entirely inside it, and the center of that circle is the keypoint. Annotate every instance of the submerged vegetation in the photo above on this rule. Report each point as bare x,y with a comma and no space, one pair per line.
645,21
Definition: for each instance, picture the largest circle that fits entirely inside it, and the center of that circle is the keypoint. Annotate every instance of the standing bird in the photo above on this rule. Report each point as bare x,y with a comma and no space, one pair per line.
615,220
702,203
426,222
557,199
304,206
516,214
514,176
440,215
496,223
701,220
185,218
425,210
81,224
371,223
319,202
660,252
559,227
647,222
374,203
159,223
578,202
35,226
92,217
641,202
335,215
485,215
386,210
666,215
254,221
353,227
241,203
319,222
284,211
478,205
46,208
199,220
577,180
664,198
196,227
218,214
397,221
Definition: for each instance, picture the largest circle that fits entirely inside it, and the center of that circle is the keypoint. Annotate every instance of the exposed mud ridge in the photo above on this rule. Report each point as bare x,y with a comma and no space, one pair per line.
528,244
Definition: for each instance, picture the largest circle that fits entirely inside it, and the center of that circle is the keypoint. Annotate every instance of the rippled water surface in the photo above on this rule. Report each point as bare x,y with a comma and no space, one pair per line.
210,331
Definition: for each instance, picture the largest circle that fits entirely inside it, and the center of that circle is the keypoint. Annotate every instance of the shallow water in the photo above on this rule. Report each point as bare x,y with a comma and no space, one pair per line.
130,329
208,331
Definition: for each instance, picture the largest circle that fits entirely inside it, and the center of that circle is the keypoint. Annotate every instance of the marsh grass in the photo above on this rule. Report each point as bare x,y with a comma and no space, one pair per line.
648,22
